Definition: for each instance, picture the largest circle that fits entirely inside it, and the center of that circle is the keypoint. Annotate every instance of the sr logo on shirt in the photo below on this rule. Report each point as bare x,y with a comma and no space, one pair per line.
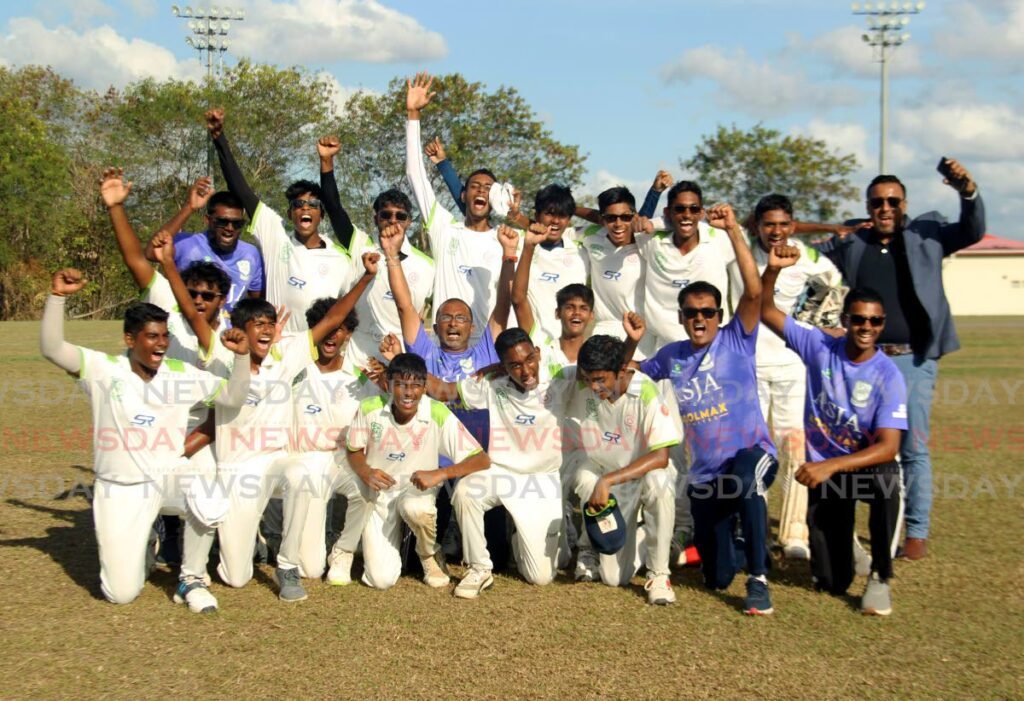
549,277
465,270
312,409
613,275
526,420
680,283
396,457
296,282
611,437
143,420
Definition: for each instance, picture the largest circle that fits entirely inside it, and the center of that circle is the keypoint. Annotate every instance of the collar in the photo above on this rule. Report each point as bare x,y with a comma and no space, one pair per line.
422,411
551,245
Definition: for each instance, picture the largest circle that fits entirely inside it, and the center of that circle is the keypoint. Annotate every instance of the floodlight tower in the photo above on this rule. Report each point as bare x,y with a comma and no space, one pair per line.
887,23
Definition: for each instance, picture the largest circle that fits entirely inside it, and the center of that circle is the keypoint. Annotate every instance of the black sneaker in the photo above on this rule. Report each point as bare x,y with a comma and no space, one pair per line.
758,601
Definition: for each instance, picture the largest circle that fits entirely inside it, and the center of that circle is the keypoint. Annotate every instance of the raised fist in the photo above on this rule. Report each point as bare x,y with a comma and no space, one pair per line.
67,282
113,189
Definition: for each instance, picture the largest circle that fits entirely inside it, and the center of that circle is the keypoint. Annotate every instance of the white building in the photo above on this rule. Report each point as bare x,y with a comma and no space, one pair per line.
986,279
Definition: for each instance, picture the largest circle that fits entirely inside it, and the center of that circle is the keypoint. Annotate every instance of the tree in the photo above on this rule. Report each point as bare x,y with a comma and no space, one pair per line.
479,128
740,167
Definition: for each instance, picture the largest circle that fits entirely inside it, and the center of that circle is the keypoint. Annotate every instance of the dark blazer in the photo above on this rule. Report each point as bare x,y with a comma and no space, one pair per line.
928,239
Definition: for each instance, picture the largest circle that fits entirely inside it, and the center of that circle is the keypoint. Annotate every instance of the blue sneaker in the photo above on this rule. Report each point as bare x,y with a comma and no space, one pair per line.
758,601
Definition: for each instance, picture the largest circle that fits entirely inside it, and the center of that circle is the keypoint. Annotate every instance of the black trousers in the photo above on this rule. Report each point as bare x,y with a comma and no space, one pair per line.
831,510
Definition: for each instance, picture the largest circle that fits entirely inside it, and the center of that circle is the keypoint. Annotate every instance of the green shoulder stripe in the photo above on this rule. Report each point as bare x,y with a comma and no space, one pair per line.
648,391
371,404
812,253
421,254
174,365
439,412
591,229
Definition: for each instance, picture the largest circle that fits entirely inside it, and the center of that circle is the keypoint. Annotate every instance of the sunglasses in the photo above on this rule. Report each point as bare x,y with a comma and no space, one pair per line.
860,320
205,295
877,202
684,208
457,318
612,218
706,312
299,204
392,215
225,223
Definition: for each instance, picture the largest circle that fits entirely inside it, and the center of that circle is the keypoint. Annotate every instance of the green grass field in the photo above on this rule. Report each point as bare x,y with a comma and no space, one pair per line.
957,630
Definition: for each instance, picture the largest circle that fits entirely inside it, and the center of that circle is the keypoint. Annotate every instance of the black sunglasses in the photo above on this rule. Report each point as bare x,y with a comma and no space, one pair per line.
684,208
299,204
226,223
609,218
860,320
706,312
877,202
206,295
392,215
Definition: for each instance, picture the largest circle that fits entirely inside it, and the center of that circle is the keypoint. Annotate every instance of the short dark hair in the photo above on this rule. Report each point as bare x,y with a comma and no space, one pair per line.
556,199
884,180
318,310
482,171
615,195
770,203
141,313
685,186
862,294
249,309
407,365
301,187
394,197
223,198
574,291
700,287
210,273
602,353
509,339
455,299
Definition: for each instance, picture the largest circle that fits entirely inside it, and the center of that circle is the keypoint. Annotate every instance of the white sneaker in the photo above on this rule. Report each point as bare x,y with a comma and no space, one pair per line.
435,573
659,590
796,550
193,591
340,573
475,581
586,565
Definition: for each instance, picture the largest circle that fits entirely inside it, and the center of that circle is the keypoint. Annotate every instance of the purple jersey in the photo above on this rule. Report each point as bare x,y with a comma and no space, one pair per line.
716,387
846,402
244,265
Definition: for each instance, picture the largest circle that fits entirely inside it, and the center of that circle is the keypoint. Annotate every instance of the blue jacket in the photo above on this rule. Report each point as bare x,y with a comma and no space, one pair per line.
929,238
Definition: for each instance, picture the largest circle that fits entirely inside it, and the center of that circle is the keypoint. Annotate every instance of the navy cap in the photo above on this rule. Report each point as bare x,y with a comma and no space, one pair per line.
606,528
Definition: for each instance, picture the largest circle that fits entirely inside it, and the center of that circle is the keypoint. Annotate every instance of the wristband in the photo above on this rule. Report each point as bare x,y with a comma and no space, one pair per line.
510,259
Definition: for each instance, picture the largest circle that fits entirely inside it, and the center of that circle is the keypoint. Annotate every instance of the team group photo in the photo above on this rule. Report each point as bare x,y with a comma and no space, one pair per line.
399,386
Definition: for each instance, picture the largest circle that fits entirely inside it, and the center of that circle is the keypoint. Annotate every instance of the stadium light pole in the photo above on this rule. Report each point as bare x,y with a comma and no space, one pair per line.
210,29
887,22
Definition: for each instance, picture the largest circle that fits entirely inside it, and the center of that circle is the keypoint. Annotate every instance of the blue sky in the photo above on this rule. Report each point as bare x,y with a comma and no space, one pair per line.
635,85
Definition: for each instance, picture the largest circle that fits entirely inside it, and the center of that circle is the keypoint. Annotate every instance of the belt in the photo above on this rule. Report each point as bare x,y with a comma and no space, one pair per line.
896,348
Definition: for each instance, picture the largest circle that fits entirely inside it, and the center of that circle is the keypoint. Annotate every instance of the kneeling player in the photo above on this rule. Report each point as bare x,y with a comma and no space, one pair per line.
855,415
626,433
394,445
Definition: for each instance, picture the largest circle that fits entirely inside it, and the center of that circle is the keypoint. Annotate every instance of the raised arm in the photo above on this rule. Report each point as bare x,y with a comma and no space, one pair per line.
521,282
236,390
778,258
588,214
509,240
391,243
336,315
748,310
662,181
327,148
971,225
114,191
198,195
236,182
162,246
418,96
435,152
51,337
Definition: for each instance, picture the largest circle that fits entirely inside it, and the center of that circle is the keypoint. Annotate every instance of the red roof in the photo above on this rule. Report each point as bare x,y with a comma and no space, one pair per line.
994,244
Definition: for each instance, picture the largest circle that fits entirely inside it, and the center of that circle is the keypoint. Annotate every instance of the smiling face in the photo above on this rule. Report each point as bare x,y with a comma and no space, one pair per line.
453,325
476,196
886,218
330,347
305,216
555,224
603,383
575,315
223,226
774,229
618,220
859,322
406,392
148,347
522,363
261,336
683,214
694,316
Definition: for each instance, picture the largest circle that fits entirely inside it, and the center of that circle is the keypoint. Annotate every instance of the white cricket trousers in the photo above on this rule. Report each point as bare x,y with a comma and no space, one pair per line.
656,493
535,503
382,534
249,487
123,516
781,390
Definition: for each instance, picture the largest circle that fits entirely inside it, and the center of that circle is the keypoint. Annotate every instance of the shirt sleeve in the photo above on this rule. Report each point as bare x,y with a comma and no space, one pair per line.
656,367
452,180
256,281
455,442
734,336
267,228
358,433
659,428
423,346
159,293
474,393
892,403
297,352
802,338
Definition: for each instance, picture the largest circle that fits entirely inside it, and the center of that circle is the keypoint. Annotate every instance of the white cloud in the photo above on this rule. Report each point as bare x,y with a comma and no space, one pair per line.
845,137
986,131
848,55
992,31
325,31
94,58
340,93
142,8
757,88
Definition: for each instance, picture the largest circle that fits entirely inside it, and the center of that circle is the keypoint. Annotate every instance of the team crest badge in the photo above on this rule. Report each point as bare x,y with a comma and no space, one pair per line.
244,269
861,393
707,362
376,430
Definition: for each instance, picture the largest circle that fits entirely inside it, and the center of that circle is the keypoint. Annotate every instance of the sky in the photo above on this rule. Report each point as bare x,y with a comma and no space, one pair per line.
635,85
